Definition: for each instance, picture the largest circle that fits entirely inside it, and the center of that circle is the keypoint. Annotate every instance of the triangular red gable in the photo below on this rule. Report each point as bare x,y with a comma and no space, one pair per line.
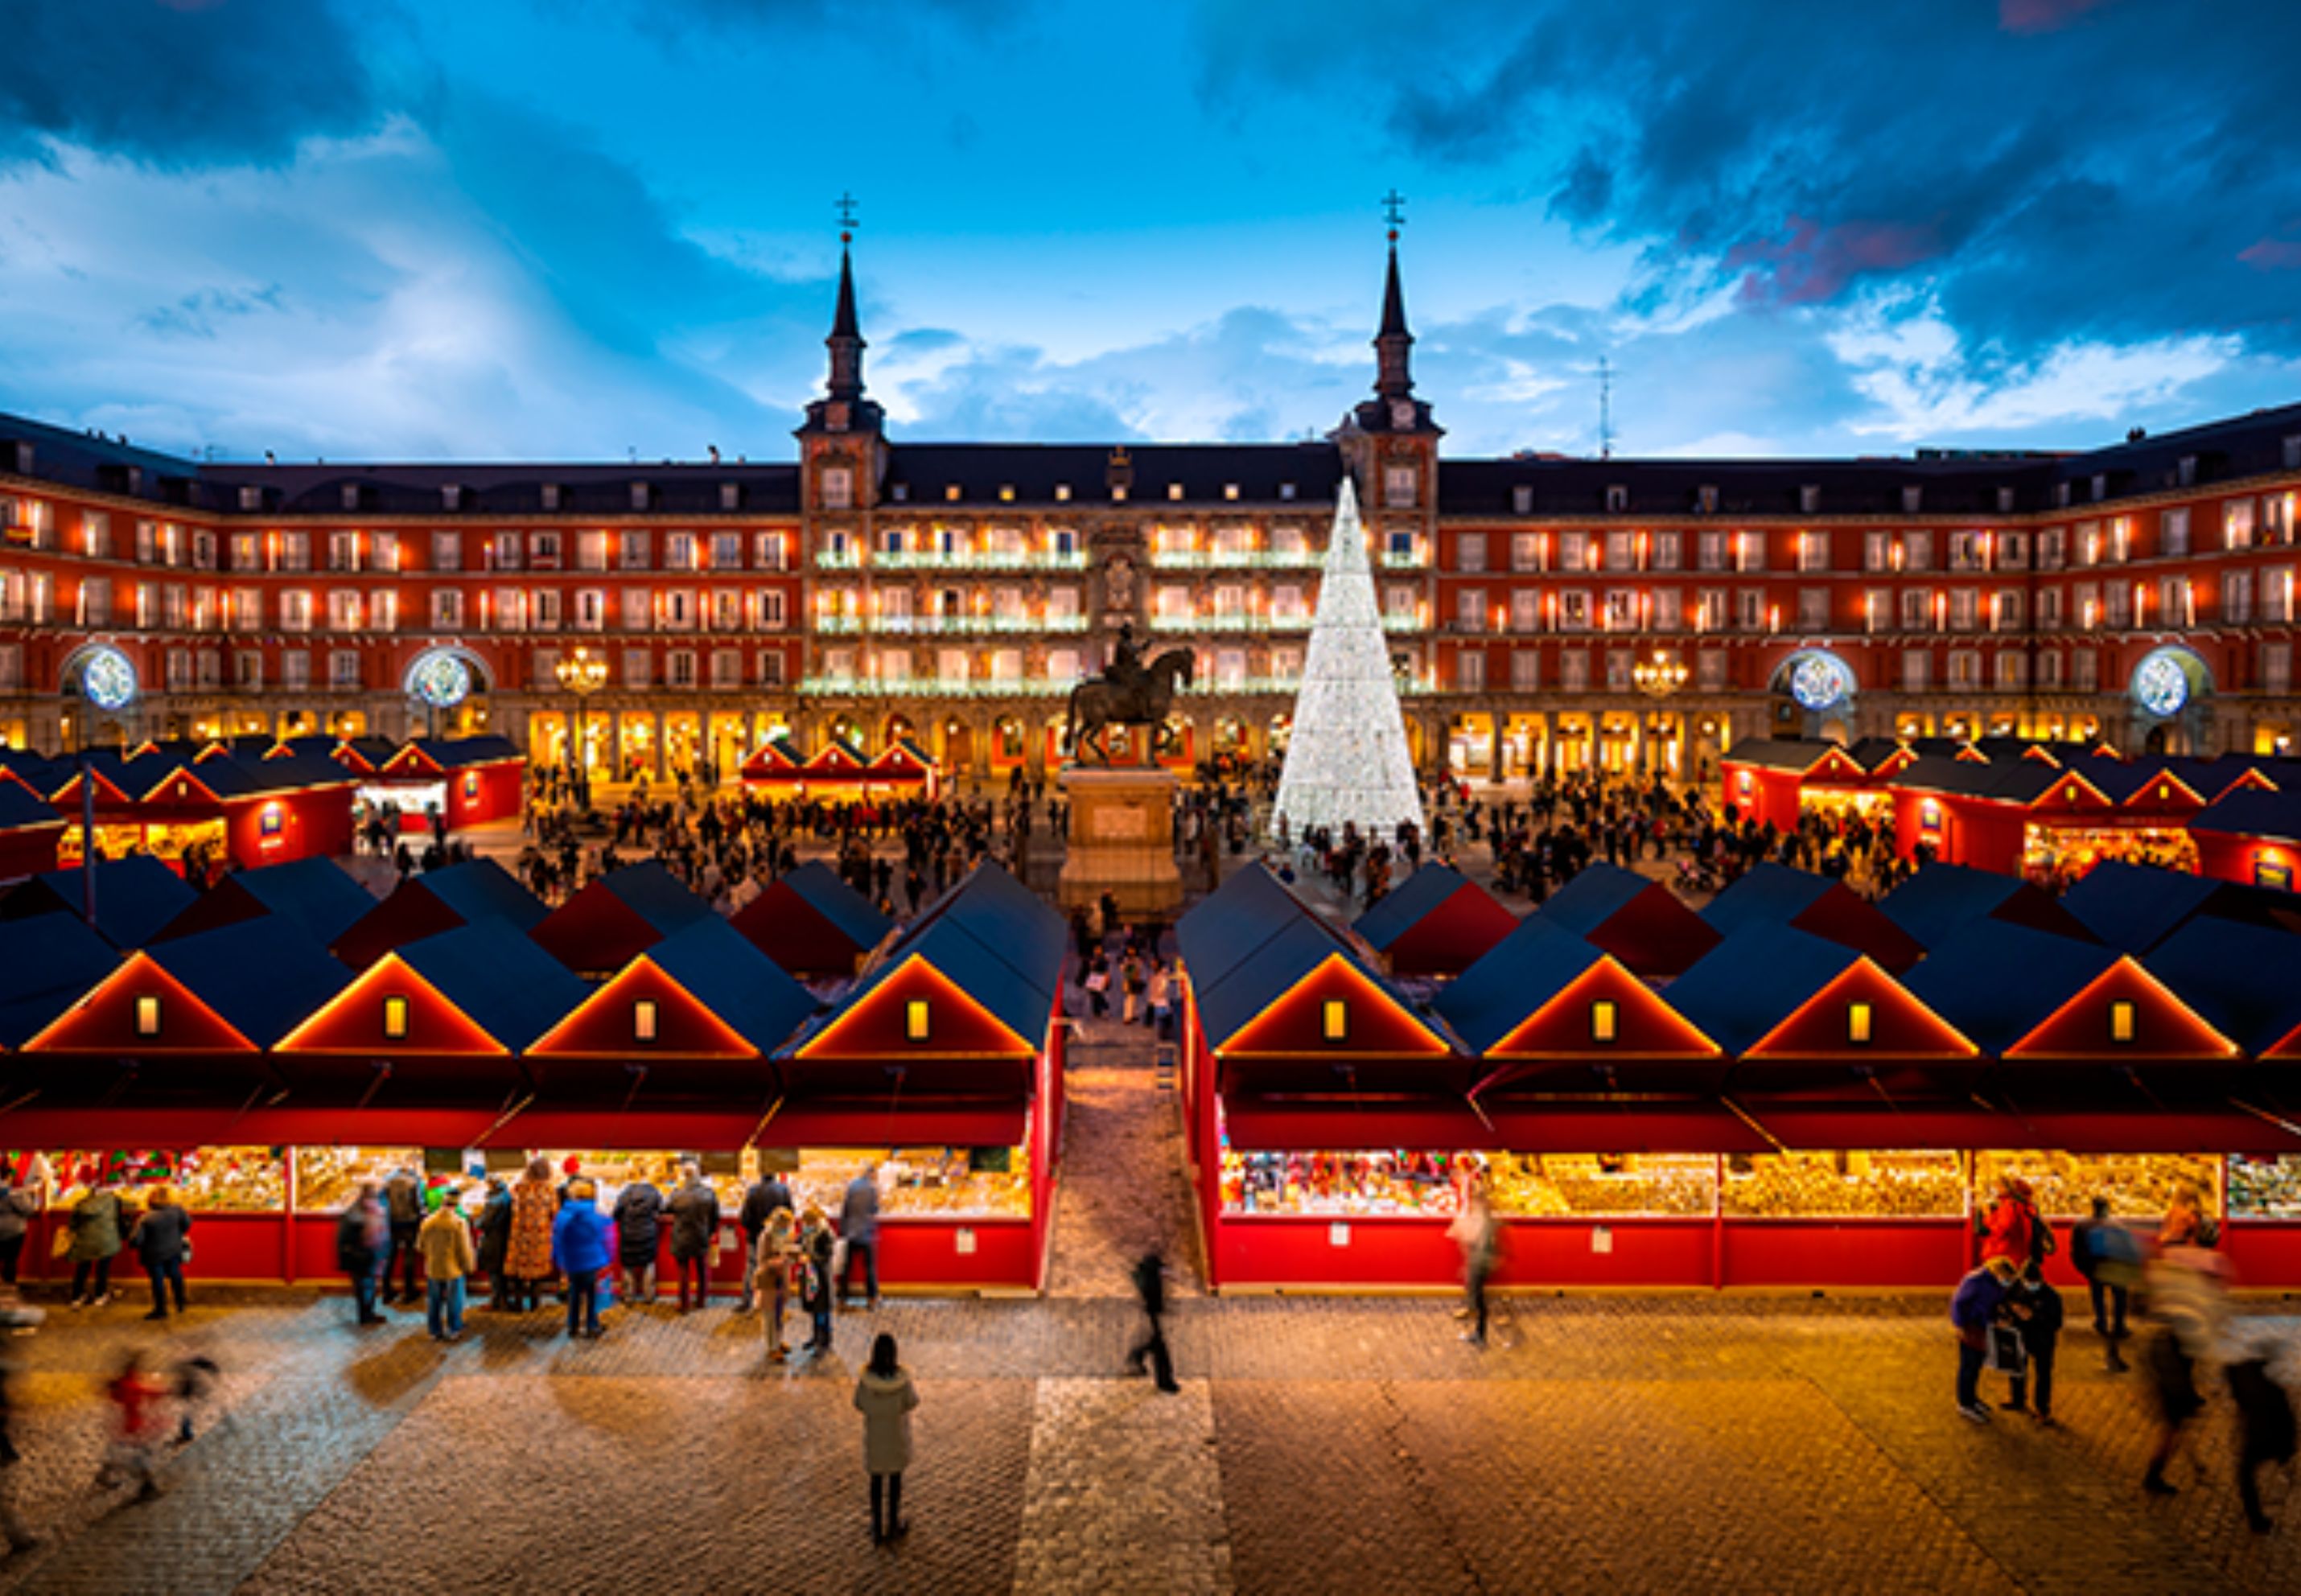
604,1025
353,1021
2164,1026
876,1025
1375,1023
1645,1025
1900,1026
105,1021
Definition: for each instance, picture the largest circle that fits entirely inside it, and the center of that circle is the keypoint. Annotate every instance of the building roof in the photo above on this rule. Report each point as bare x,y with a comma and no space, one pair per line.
1933,904
1410,902
2219,968
509,987
2133,907
1634,918
314,894
2254,812
927,473
850,913
1226,927
20,810
1997,981
52,960
1523,971
135,897
263,976
734,980
480,889
1741,989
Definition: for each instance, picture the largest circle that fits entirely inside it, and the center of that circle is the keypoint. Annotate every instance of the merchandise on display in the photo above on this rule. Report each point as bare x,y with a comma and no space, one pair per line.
213,1180
2064,1185
2264,1188
327,1178
1853,1185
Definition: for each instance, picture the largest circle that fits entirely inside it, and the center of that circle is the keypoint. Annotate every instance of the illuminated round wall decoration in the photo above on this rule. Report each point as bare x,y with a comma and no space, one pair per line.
440,680
106,679
2161,685
1820,681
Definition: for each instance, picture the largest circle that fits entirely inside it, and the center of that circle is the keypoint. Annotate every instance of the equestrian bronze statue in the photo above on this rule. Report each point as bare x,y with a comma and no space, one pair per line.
1129,693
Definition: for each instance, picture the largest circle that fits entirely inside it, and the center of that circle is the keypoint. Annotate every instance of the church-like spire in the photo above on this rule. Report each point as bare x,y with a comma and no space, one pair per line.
1394,373
842,407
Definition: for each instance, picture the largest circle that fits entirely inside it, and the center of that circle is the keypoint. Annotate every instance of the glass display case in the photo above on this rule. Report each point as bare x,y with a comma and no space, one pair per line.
327,1177
208,1179
1523,1185
2267,1187
1601,1185
2064,1185
1845,1185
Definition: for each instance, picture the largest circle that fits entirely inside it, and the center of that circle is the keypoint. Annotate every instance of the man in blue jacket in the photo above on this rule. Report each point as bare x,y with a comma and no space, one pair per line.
582,1245
1972,1310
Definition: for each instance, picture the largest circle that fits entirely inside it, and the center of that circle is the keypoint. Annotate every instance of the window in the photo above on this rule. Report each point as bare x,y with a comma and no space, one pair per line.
2277,667
1750,608
1526,670
1470,609
1668,610
148,1016
726,609
1917,551
771,668
1710,670
2121,1021
1398,547
1810,498
247,669
726,668
447,551
343,551
1964,606
1621,551
543,550
1398,487
395,1019
1857,1024
2011,604
1574,610
1917,670
1813,609
1336,1021
2052,548
1913,499
772,612
295,550
2236,524
2012,671
2085,671
294,610
544,611
2013,551
1603,1021
1618,669
2173,532
296,670
343,668
644,1020
679,551
2237,597
1471,551
1813,551
1574,671
835,486
1877,608
1711,550
726,551
1525,610
1522,498
638,667
1669,551
771,551
590,609
1618,499
679,668
917,1020
1470,669
1964,668
631,551
2049,671
446,609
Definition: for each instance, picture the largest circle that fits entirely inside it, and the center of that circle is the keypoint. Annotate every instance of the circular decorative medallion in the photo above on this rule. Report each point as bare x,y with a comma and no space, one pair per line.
440,680
1820,682
106,679
2161,686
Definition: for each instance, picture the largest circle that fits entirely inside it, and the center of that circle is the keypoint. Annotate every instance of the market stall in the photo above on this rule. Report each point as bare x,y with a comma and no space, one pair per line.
1634,918
436,901
315,894
2253,836
1436,923
30,832
468,781
812,923
1936,904
617,916
1818,905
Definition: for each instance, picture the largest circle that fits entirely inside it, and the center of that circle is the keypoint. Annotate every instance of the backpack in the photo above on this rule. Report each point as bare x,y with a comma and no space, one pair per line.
2042,1245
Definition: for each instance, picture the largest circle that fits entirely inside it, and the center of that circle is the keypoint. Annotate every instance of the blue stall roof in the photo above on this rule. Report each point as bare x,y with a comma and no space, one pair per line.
2254,812
1997,981
1239,916
314,893
135,897
735,980
1755,979
1597,893
266,976
1406,904
22,811
849,912
2236,977
1767,894
1932,904
53,961
480,889
1517,976
649,890
491,969
2135,906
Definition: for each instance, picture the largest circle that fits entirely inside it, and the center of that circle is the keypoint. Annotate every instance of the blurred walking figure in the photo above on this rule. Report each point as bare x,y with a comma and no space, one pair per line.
885,1396
135,1395
2184,1289
2109,1256
1479,1236
192,1380
11,1464
2265,1430
362,1243
859,1234
1151,1287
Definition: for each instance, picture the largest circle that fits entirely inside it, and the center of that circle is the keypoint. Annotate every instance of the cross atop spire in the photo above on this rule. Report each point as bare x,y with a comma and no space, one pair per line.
1393,212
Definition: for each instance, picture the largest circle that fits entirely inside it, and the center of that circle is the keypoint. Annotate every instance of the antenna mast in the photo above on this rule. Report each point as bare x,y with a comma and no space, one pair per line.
1605,409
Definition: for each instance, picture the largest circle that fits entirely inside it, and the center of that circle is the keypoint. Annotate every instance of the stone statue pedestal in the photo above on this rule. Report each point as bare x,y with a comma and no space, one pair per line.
1122,840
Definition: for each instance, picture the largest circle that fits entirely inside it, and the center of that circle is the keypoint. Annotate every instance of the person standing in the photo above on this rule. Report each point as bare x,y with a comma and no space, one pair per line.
20,1537
1479,1235
858,1228
2265,1430
694,1219
2008,1224
20,1204
95,1236
534,1205
1151,1290
1162,1002
886,1396
815,1277
2098,1248
1973,1308
766,1194
771,1281
638,1238
403,1204
495,1240
445,1240
2036,1311
581,1249
1133,982
162,1239
362,1243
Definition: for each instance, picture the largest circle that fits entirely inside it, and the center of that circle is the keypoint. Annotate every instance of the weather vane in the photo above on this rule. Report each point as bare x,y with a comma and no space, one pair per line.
1393,212
845,217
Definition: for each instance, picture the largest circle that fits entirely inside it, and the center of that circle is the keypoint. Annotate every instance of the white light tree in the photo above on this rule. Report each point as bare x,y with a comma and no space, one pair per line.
1346,757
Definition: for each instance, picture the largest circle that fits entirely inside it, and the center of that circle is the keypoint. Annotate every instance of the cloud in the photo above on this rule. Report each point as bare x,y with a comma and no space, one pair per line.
180,83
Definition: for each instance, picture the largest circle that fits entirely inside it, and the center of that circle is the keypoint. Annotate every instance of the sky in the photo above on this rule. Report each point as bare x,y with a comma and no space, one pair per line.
606,228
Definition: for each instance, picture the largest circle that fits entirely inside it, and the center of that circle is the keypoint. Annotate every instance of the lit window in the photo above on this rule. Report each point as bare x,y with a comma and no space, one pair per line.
2121,1021
915,1020
643,1020
1337,1026
1857,1023
395,1019
1601,1022
147,1016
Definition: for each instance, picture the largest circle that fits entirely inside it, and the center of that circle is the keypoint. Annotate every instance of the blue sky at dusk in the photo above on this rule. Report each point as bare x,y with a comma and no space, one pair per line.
573,229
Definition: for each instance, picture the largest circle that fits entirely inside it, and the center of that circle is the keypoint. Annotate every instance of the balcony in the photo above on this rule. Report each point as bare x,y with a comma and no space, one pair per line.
978,560
1204,559
932,687
948,625
1263,623
1416,561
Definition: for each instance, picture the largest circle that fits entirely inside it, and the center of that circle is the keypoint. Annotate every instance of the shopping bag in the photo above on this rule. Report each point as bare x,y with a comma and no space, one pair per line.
61,1242
2006,1354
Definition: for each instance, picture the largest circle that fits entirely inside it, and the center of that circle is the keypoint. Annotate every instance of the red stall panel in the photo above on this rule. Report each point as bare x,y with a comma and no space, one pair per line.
1897,1254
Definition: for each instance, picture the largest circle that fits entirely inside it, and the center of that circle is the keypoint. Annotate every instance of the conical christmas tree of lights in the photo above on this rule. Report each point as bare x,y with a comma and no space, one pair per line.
1346,758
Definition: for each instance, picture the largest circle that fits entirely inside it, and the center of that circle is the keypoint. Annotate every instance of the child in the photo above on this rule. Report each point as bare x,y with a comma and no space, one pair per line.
2036,1311
195,1378
135,1396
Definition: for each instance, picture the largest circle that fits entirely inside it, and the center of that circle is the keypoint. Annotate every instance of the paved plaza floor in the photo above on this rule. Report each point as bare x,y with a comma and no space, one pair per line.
1317,1444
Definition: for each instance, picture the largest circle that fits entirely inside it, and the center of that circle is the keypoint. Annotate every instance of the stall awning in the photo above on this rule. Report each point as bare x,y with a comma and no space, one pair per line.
606,1130
1862,1129
1298,1126
1623,1128
887,1124
90,1128
2185,1130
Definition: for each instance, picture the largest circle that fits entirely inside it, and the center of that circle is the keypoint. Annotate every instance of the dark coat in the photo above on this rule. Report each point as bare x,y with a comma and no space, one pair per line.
2263,1409
694,1215
495,1233
355,1248
638,1224
759,1205
160,1236
2037,1312
815,1293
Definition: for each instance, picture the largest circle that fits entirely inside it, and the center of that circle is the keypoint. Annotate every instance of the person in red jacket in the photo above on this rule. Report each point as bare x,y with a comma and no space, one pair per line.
2010,1224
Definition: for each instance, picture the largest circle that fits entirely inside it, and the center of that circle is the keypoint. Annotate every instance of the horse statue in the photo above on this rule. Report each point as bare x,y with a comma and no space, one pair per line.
1101,702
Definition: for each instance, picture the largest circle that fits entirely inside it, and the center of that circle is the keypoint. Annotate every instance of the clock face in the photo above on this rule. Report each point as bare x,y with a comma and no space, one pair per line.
2161,686
1819,682
106,679
440,680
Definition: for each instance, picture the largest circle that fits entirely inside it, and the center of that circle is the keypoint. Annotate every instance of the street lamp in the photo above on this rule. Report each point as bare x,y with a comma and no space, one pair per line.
1657,678
582,673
